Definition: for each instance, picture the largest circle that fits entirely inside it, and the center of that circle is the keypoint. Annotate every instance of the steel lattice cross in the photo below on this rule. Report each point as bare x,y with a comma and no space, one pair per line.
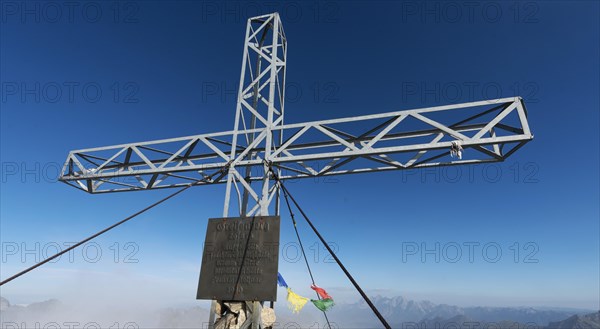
489,131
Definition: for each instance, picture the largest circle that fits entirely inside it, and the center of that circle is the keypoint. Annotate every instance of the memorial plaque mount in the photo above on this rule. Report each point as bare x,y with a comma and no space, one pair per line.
240,259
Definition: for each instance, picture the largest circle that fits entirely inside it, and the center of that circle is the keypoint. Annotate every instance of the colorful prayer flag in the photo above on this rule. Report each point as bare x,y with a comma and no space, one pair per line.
321,292
323,304
281,281
296,302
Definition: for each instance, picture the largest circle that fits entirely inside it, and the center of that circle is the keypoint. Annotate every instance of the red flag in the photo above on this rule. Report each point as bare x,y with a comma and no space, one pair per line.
321,292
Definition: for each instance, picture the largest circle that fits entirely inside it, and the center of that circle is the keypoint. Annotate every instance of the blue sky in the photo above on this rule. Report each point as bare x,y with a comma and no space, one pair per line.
168,69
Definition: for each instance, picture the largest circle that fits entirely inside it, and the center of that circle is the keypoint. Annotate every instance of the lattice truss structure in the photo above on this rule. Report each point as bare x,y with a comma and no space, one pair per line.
488,131
390,143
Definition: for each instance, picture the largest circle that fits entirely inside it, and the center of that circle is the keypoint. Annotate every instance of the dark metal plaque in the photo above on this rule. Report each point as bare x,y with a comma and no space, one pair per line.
240,259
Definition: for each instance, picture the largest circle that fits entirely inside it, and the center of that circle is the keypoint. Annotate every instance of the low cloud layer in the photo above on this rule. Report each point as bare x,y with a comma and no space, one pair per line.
399,311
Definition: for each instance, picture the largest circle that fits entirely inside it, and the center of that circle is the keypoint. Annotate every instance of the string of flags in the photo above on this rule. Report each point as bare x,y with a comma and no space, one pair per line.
297,302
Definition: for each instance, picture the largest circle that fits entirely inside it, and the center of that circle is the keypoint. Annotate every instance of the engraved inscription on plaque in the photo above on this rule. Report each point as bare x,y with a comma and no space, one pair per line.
240,259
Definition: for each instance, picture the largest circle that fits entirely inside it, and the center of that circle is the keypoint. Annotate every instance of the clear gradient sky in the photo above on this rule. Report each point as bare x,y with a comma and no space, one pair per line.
169,69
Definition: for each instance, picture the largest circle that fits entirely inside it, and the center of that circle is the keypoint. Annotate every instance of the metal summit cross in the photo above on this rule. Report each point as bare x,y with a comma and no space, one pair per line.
488,131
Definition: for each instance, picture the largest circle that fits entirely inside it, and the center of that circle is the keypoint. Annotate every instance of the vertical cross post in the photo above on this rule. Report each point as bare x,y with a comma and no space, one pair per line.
259,108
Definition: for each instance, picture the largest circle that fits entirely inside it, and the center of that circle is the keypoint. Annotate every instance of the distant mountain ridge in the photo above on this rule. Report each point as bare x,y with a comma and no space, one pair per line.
398,311
403,313
587,321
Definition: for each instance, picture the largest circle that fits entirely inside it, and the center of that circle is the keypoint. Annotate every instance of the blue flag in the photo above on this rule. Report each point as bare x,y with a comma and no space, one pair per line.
281,281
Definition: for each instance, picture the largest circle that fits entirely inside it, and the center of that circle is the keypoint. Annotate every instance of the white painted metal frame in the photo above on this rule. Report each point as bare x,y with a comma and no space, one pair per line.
260,108
417,138
195,157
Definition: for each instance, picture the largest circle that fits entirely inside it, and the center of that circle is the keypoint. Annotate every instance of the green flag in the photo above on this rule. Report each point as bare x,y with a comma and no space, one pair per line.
323,304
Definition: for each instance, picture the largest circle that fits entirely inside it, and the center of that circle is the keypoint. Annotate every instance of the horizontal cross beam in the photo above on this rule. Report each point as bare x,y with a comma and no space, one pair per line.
488,131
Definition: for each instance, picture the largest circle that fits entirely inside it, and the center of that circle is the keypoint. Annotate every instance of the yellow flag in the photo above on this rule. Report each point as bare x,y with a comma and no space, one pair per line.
296,302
